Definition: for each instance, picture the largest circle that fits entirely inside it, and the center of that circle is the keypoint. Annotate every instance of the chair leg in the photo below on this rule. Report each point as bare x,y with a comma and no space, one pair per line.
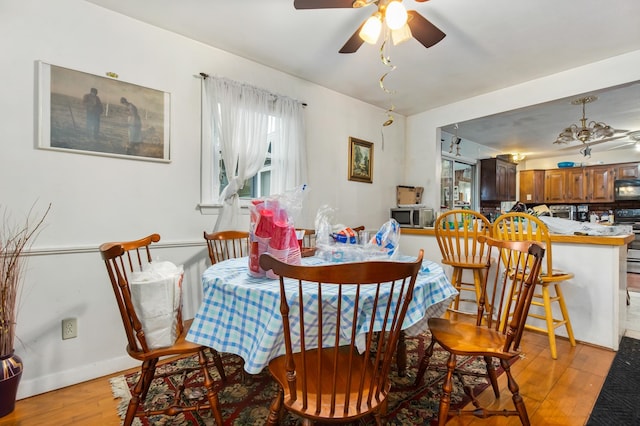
139,391
447,387
424,363
565,314
477,282
493,377
212,395
401,355
456,278
217,360
276,407
515,392
551,331
150,372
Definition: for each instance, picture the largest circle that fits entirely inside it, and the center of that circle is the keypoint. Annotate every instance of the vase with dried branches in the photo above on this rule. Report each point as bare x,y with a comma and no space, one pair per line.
14,241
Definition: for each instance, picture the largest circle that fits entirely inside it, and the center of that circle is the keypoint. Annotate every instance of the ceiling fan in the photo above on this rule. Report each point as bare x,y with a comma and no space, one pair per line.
414,25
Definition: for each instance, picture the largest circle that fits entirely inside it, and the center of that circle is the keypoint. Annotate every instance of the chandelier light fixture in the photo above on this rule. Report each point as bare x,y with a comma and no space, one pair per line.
585,132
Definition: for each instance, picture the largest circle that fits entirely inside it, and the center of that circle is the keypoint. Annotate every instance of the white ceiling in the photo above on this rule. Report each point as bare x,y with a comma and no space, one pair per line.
489,45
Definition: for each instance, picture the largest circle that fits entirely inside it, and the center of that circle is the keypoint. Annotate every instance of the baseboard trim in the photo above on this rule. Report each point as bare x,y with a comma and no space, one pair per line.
66,378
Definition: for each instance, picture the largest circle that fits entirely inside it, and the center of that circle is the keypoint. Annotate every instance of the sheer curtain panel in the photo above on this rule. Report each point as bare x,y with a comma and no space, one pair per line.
236,121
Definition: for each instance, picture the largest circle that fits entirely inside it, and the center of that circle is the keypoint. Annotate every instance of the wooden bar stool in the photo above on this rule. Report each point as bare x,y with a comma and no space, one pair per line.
523,226
457,234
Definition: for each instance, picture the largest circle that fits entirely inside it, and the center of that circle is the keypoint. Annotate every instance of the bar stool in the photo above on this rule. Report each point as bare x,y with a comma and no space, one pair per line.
457,234
523,226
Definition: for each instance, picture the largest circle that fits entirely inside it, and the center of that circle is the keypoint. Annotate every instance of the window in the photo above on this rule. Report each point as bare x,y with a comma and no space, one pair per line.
258,135
255,187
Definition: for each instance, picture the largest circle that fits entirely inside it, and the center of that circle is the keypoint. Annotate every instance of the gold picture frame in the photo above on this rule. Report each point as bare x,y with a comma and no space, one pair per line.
360,160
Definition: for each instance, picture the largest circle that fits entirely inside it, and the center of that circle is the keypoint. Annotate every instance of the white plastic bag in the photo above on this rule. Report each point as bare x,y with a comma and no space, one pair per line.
156,293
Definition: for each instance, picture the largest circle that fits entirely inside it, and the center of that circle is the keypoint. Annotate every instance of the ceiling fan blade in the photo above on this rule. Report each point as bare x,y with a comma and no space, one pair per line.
354,42
322,4
598,142
423,30
623,145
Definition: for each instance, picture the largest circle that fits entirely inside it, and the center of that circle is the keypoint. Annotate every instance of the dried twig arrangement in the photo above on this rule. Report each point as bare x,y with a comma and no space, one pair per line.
14,240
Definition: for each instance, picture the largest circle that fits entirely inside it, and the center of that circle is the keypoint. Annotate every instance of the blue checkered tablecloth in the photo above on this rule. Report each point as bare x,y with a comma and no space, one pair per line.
240,314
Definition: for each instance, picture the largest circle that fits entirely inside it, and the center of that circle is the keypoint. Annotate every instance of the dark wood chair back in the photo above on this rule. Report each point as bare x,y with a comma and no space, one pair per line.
225,245
122,259
488,336
338,382
512,287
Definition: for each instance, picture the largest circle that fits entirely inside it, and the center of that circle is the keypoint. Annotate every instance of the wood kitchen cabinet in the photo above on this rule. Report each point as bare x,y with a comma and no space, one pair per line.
599,183
564,185
555,185
497,180
627,171
532,186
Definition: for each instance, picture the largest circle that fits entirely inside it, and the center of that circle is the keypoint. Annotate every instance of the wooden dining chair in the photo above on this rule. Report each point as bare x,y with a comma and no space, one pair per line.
225,245
488,336
523,226
122,259
309,238
457,233
338,382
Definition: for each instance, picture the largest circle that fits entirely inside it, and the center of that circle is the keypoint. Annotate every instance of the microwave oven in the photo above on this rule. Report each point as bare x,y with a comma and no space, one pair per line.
626,189
413,217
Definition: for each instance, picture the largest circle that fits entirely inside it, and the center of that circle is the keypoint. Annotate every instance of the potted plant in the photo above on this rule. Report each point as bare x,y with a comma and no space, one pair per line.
14,240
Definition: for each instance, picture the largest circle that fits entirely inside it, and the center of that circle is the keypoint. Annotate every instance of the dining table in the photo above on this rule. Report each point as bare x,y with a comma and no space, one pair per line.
240,313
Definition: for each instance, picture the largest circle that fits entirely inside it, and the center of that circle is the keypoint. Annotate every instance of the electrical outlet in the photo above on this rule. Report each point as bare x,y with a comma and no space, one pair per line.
69,328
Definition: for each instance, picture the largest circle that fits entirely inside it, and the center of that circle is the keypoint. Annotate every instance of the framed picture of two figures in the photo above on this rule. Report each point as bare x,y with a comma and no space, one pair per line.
89,114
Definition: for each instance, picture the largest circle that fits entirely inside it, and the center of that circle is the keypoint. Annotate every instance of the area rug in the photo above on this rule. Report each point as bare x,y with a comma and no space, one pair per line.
619,400
245,398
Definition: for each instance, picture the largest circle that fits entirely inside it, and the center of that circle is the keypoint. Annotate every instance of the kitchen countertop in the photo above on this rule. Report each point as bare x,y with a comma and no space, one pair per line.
617,240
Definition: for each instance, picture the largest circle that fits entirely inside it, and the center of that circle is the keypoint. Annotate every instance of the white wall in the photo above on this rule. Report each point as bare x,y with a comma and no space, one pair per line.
97,199
423,137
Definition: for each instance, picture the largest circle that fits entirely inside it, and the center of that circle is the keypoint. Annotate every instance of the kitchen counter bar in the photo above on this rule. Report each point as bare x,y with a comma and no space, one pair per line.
596,296
618,240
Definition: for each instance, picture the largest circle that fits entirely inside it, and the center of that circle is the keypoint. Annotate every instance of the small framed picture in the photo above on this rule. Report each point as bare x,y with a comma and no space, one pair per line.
89,114
360,160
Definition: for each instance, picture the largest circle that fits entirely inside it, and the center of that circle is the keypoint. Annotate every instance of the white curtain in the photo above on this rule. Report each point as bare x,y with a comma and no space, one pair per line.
239,119
288,153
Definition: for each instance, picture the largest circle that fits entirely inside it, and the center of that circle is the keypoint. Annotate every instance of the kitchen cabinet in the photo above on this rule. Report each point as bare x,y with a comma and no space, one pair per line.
497,180
627,171
572,185
555,185
532,186
564,185
599,184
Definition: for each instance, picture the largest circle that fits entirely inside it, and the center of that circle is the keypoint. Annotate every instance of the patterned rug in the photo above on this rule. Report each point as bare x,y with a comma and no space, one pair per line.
245,398
619,400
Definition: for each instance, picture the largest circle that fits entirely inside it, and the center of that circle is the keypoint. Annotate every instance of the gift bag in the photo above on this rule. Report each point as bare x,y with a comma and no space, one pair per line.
156,293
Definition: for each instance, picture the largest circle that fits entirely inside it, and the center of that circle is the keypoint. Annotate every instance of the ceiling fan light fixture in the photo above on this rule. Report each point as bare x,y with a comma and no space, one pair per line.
395,15
370,31
401,35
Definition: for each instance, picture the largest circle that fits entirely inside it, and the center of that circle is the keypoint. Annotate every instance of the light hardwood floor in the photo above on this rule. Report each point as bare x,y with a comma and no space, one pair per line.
560,392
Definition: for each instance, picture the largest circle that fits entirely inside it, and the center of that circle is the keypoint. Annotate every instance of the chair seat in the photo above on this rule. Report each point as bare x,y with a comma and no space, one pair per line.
556,276
278,371
454,337
181,346
471,262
